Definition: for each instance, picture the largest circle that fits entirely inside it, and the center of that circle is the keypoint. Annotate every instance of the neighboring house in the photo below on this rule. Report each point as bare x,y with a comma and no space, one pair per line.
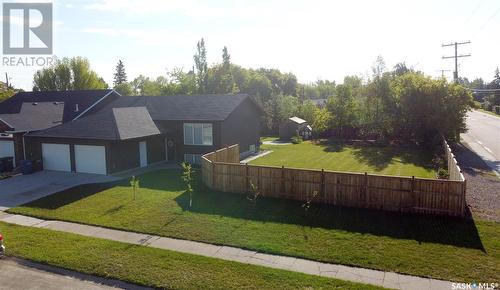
133,132
320,103
294,126
34,111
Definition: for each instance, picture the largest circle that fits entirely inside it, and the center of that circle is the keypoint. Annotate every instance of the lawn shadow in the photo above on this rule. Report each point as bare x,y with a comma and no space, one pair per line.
380,157
331,146
70,195
167,179
430,229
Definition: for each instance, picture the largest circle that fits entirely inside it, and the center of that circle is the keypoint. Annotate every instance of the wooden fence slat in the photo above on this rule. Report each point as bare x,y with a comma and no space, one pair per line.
222,171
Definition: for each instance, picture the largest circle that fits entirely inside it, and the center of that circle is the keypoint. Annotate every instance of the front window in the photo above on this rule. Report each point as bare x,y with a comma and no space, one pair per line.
198,134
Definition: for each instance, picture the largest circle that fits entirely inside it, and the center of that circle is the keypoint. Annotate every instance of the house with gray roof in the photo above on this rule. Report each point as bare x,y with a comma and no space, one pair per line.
136,131
27,112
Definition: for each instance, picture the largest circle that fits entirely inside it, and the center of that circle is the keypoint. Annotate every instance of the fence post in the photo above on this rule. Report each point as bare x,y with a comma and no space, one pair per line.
322,189
213,174
464,200
413,196
367,198
246,177
258,179
282,186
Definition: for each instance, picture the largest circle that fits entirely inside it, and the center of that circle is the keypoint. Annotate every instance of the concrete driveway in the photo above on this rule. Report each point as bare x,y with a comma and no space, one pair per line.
21,189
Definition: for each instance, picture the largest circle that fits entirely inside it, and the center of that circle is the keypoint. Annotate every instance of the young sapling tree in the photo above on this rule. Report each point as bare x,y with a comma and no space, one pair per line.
134,183
187,177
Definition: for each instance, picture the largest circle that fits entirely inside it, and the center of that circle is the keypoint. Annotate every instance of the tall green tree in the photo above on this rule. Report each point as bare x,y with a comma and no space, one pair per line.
124,89
220,77
429,108
6,91
200,61
307,110
226,59
342,109
68,74
495,83
322,121
120,75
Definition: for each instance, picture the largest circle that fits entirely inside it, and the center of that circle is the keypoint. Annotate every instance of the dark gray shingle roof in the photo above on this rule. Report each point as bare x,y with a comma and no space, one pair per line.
35,116
38,118
115,124
187,107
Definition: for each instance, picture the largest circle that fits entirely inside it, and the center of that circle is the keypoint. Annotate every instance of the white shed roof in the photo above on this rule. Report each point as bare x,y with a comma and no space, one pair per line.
297,120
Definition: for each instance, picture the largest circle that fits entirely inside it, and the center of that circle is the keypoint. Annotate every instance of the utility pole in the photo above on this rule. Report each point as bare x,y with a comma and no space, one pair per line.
456,56
443,71
6,80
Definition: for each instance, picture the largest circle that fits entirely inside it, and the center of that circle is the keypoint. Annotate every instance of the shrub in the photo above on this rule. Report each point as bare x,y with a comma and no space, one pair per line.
487,106
253,194
496,109
438,161
297,139
442,173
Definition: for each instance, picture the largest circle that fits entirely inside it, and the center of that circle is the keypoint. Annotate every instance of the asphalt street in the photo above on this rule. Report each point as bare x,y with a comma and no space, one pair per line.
483,137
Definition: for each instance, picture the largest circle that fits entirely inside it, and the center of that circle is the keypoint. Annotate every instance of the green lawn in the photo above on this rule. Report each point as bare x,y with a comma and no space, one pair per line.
388,160
451,249
152,267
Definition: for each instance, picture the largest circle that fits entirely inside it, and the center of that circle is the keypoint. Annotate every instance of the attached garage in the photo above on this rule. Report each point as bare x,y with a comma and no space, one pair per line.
90,159
7,149
107,142
56,157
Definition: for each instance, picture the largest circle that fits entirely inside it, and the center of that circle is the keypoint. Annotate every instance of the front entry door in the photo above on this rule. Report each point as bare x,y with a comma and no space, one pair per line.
143,154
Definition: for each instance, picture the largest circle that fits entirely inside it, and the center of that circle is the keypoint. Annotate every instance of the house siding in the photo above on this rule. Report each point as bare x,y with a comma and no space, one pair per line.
242,127
174,131
124,155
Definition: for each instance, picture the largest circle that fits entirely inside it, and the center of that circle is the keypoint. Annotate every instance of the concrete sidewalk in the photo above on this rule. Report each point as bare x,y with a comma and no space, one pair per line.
354,274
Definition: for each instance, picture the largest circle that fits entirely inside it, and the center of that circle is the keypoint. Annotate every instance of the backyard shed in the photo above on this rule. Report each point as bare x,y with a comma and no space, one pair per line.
294,126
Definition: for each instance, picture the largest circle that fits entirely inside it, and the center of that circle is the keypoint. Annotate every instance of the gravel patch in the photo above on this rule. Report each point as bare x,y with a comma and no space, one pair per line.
276,142
483,186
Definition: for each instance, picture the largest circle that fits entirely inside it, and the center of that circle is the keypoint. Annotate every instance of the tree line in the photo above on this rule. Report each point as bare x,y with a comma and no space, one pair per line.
398,103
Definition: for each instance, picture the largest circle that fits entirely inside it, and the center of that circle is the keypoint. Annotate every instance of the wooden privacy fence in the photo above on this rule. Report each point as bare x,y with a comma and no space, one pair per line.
393,193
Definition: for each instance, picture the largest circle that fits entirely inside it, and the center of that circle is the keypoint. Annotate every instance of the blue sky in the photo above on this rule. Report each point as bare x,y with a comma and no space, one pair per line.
312,39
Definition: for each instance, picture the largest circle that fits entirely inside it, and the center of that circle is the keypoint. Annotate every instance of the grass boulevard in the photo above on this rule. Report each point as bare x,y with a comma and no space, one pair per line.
413,244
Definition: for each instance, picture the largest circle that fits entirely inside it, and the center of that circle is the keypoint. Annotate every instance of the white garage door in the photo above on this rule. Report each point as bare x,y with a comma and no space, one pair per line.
7,149
90,159
56,157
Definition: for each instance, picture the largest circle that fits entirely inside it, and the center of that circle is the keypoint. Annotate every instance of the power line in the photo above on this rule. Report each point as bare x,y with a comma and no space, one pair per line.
443,71
486,22
456,56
